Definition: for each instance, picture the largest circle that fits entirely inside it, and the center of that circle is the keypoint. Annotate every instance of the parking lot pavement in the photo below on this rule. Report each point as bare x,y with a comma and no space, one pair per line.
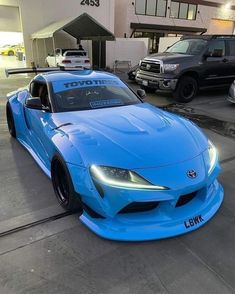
46,251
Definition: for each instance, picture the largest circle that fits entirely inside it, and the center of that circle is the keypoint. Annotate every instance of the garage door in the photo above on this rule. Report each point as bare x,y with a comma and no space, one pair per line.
9,19
221,27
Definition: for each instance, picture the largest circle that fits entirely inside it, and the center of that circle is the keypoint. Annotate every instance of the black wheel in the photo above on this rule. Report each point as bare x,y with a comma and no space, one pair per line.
148,89
186,89
63,186
11,53
10,121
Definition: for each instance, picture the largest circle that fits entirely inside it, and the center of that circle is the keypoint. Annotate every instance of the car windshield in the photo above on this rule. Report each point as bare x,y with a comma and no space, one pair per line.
92,94
75,53
190,47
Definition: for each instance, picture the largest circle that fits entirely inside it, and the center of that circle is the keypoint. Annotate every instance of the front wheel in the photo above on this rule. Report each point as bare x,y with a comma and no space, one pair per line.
11,53
10,121
63,186
186,89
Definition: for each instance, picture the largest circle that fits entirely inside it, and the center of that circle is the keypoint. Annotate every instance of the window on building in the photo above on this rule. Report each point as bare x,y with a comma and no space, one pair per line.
151,7
161,8
183,10
192,11
174,9
183,13
140,6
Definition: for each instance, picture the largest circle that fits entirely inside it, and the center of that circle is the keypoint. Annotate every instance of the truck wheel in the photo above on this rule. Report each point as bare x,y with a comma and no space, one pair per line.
11,53
148,89
186,89
63,186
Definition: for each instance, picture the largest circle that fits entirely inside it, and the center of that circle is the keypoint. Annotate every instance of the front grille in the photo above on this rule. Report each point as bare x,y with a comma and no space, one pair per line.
139,207
150,67
185,199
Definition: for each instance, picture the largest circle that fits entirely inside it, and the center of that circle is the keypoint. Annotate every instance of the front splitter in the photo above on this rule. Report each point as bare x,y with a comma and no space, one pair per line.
115,229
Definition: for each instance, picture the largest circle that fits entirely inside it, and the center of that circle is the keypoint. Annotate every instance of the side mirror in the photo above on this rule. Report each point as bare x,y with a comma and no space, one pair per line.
34,103
141,93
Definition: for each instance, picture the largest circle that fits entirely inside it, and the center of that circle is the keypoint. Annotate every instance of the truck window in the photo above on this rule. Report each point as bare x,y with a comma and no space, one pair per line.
216,46
232,48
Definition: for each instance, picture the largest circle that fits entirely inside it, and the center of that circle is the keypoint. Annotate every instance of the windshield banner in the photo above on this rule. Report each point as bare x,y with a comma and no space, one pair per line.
60,86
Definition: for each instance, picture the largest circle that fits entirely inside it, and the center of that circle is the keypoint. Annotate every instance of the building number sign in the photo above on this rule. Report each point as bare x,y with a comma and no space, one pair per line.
91,2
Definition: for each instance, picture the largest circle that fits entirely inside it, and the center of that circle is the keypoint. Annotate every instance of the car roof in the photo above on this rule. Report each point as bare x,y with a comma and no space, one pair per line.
208,37
71,75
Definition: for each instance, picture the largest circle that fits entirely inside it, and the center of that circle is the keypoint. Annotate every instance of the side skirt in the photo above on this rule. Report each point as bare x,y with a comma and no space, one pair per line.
35,157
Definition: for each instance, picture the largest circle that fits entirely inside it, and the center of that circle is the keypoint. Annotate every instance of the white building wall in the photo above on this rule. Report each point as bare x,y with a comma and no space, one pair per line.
204,16
126,50
36,14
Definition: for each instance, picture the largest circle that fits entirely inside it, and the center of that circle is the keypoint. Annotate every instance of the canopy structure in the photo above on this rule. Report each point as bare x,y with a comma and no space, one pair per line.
83,27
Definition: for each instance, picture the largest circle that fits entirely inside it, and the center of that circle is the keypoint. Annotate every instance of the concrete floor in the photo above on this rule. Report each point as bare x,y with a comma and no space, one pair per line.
62,256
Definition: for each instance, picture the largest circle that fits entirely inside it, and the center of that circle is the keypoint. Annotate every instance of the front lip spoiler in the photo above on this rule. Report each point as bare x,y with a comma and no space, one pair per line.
114,230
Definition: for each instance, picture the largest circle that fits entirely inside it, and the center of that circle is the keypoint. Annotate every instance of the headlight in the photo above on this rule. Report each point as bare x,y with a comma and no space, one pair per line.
117,177
212,156
170,67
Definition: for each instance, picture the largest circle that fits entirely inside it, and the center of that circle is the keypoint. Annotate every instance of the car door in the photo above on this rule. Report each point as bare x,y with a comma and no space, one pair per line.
231,69
38,122
215,64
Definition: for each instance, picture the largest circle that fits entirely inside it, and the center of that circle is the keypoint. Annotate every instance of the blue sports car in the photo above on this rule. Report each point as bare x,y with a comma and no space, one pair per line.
131,171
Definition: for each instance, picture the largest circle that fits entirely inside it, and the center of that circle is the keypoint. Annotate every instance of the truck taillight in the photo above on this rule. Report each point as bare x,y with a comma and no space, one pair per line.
87,61
66,61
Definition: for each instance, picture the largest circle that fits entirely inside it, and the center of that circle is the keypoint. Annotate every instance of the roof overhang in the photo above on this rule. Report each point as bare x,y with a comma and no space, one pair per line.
166,28
83,27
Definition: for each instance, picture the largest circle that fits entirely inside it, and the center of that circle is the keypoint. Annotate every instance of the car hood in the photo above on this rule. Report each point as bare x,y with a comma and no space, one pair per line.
136,136
170,57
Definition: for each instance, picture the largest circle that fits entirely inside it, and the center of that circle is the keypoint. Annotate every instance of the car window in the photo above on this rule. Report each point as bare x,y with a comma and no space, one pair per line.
189,46
232,47
216,47
38,89
92,94
75,53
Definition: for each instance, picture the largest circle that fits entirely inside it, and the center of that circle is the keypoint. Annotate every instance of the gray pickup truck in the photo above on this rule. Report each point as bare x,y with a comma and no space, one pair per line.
193,62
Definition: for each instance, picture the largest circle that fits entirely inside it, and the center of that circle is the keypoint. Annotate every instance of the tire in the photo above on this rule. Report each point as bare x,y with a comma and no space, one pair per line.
63,186
186,89
11,53
10,121
148,89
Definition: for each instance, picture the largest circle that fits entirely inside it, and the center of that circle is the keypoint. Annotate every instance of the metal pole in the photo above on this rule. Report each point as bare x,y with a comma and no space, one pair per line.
99,53
53,40
37,52
45,48
33,62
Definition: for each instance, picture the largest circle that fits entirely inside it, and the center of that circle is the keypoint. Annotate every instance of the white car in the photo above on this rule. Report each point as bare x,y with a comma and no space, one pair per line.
69,58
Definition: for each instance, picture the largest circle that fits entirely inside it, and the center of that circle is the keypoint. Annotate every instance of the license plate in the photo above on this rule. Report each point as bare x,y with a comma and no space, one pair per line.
145,83
193,221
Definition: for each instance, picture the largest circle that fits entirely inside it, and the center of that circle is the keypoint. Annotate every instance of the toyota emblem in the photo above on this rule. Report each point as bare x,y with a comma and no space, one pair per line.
192,174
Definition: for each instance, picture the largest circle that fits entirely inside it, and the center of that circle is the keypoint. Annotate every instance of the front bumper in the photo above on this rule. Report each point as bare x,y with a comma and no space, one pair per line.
162,222
156,82
187,205
231,95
